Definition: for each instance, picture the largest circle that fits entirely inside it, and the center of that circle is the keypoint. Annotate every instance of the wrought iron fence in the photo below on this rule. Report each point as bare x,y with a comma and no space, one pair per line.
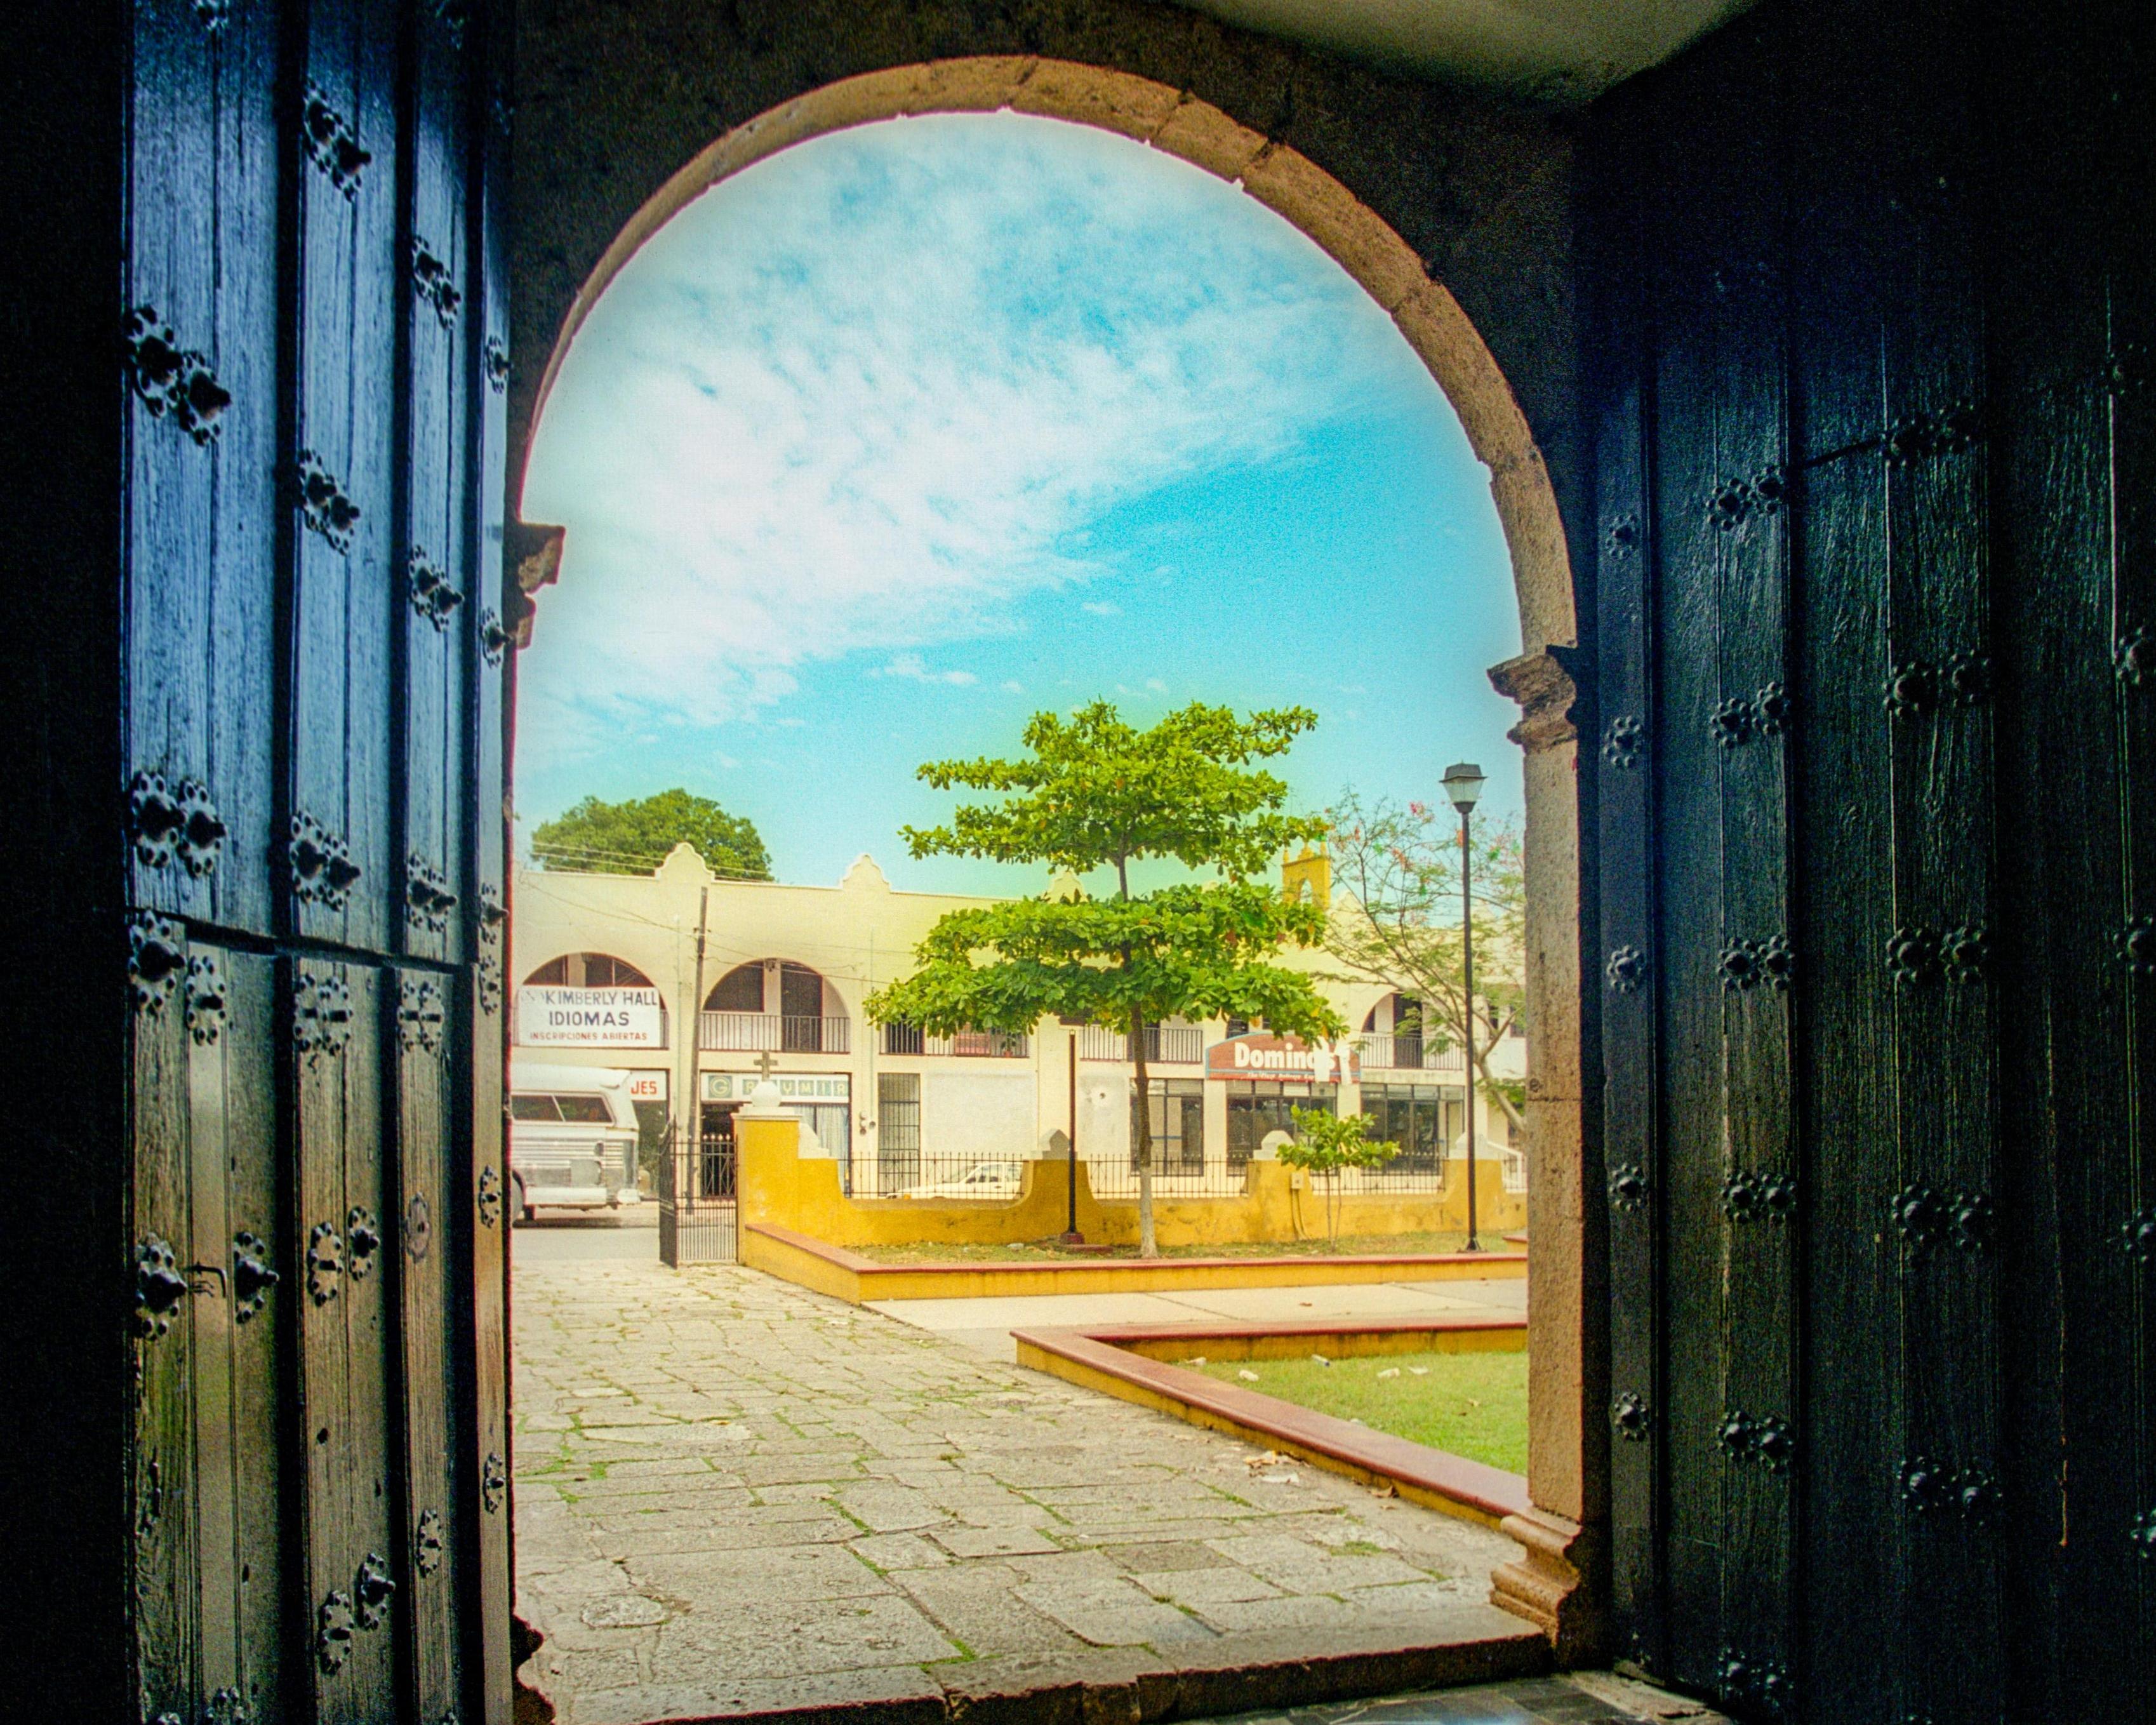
697,1214
776,1032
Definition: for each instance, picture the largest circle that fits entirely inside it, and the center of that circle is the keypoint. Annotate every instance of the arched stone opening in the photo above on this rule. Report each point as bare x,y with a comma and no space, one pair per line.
1567,1453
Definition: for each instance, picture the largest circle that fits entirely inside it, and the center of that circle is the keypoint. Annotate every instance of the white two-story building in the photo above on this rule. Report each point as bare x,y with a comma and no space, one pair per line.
776,976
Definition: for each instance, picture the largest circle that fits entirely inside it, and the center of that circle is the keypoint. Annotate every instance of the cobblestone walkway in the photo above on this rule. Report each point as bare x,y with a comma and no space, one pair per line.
733,1494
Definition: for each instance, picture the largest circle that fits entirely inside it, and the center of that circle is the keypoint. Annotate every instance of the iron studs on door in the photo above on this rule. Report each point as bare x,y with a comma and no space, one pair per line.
493,1483
373,1587
173,381
489,1197
321,1013
334,1628
159,1288
325,1263
157,954
251,1277
363,1236
420,1016
205,997
427,1543
322,870
418,1228
170,826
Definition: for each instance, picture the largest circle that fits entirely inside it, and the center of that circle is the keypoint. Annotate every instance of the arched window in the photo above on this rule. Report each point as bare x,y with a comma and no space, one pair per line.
772,1005
588,970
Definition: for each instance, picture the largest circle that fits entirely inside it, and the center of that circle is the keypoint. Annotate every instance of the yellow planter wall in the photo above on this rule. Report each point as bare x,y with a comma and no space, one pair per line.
776,1184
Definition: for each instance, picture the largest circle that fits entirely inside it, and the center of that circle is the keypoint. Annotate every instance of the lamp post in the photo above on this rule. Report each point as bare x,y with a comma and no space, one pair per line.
1463,784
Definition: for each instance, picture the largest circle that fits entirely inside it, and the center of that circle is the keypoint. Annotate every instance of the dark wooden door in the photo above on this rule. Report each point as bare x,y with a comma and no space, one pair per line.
313,671
1877,862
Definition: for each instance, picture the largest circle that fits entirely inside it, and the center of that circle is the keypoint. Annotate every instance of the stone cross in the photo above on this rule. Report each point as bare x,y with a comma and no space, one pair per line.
765,1064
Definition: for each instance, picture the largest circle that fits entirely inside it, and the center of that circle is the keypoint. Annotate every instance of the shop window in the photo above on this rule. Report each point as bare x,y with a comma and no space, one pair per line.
1257,1106
1178,1116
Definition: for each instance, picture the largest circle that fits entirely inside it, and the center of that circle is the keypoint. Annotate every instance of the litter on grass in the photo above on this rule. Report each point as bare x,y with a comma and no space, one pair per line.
1390,1372
1248,1377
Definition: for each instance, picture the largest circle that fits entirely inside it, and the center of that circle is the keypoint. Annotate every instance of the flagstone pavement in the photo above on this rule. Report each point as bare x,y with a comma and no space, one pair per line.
733,1494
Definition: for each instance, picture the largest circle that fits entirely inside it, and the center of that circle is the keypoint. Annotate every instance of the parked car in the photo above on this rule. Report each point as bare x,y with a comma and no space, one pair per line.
572,1139
996,1180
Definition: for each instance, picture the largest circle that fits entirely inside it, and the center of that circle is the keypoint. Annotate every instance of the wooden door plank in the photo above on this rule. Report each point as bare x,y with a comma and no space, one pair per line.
1691,1109
203,420
213,1328
1759,1434
257,1225
350,282
1624,797
431,1219
438,579
483,1265
1843,915
1939,703
167,1635
345,1366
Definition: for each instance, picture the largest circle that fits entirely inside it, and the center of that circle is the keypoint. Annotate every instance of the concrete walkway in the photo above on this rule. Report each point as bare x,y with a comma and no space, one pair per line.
734,1495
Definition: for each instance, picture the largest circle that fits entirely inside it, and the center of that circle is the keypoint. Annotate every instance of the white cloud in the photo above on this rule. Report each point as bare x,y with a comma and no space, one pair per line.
872,392
1101,607
1157,686
1013,686
911,667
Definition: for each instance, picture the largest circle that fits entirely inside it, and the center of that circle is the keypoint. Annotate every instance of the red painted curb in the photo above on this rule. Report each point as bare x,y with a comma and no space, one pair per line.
1490,1489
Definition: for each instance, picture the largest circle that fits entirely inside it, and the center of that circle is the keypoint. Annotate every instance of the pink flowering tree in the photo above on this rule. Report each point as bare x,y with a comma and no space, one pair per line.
1395,921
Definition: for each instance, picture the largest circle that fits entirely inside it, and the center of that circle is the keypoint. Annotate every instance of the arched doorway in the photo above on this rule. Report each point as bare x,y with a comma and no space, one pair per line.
1567,1448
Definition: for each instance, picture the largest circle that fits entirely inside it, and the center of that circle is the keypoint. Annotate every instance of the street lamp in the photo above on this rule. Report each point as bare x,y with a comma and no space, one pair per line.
1463,784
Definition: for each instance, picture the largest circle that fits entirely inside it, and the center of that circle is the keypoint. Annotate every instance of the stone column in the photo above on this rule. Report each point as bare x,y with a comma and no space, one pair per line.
1562,1583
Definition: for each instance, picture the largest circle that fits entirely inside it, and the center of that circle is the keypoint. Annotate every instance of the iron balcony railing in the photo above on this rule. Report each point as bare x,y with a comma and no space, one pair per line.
901,1039
776,1032
1166,1044
1416,1054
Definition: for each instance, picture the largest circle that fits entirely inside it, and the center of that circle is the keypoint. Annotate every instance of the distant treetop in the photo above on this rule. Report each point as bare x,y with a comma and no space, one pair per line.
633,838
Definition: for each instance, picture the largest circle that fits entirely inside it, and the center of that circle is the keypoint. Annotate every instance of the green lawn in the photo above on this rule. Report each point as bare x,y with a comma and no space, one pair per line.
1474,1404
1047,1252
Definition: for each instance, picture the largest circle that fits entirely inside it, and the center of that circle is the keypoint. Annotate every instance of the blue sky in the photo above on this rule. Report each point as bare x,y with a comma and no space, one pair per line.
910,431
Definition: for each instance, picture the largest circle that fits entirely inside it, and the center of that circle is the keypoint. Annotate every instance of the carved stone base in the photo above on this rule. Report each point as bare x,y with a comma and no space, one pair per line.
1557,1586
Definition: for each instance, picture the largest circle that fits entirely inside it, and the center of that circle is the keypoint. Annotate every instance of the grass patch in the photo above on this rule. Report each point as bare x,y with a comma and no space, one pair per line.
1348,1245
1473,1404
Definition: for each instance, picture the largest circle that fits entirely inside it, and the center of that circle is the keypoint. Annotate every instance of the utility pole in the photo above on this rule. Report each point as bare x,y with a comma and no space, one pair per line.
694,1100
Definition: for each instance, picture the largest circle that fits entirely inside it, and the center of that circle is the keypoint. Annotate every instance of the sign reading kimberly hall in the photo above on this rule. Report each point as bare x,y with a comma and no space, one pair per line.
590,1018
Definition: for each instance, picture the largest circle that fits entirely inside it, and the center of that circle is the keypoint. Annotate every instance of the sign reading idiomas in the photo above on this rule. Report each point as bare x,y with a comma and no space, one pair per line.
590,1018
1287,1059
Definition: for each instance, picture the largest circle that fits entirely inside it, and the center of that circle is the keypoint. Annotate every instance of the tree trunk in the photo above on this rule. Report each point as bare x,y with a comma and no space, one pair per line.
1492,1090
1147,1246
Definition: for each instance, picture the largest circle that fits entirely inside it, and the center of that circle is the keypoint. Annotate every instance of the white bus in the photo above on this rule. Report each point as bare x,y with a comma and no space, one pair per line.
572,1139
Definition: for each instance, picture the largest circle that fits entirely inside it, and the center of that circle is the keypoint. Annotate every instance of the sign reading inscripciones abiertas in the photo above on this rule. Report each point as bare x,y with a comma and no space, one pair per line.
590,1018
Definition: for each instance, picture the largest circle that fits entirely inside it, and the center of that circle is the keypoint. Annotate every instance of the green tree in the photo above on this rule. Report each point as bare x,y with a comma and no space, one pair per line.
633,838
1095,793
1398,923
1325,1143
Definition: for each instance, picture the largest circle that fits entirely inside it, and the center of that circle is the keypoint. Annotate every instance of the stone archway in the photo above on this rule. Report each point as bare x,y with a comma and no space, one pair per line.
1558,1586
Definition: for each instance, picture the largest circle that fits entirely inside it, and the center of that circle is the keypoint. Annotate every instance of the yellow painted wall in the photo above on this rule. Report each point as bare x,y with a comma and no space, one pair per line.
777,1185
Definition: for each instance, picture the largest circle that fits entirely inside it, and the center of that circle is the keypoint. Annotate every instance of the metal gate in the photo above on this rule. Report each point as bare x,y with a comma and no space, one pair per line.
696,1208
